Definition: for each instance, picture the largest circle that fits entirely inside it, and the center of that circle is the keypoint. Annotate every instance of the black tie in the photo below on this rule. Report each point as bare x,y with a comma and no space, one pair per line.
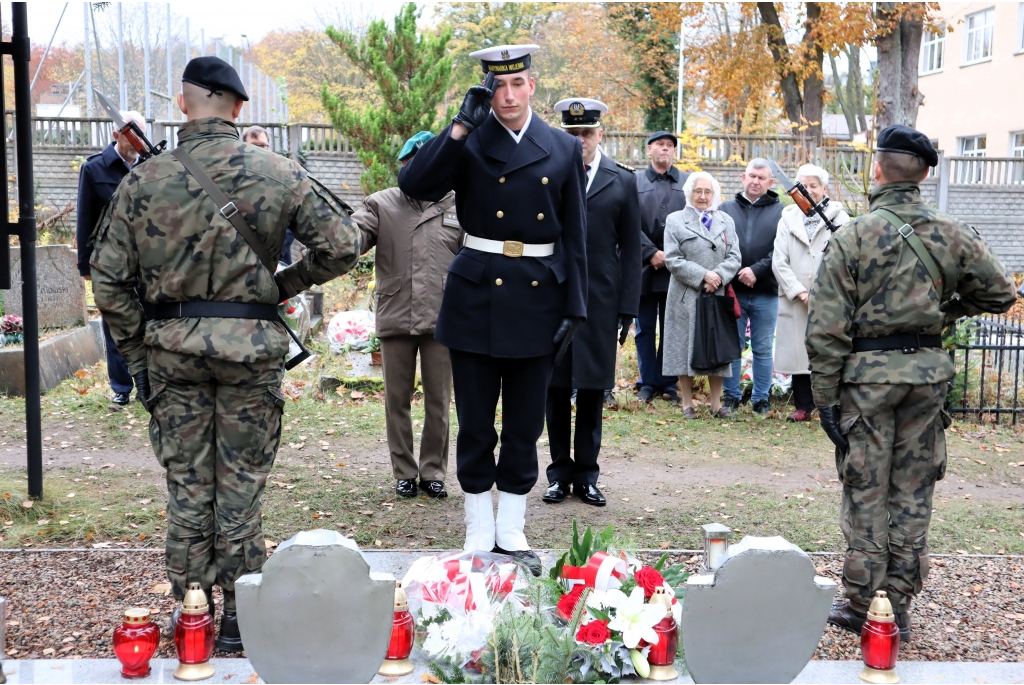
587,167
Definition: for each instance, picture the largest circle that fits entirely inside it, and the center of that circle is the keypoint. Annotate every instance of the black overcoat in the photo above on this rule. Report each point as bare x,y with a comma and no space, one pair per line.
97,181
652,226
532,192
613,278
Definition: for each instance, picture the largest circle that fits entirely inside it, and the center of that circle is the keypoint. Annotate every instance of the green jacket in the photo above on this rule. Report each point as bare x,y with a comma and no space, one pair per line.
163,236
871,284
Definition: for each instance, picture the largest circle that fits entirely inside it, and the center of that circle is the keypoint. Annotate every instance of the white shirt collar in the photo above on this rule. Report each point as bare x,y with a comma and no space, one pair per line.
593,169
126,162
516,136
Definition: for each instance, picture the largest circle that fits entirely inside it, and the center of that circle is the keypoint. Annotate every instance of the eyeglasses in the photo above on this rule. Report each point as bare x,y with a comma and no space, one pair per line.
701,192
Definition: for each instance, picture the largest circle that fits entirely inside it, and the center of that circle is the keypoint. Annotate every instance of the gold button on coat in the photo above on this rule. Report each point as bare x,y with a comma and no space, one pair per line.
501,180
540,217
544,180
500,213
534,284
497,281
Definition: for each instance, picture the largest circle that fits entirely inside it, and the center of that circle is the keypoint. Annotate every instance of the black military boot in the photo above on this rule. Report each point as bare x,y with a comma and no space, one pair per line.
844,616
903,623
229,639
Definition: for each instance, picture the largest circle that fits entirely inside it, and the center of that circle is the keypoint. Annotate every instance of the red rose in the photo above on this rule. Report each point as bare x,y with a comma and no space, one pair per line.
567,604
649,580
594,633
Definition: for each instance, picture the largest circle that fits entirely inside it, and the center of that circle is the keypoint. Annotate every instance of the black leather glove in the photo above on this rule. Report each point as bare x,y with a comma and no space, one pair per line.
625,321
142,388
829,417
566,331
476,106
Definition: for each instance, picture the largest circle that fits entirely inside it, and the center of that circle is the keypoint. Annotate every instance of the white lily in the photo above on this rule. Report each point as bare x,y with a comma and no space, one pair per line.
598,599
633,618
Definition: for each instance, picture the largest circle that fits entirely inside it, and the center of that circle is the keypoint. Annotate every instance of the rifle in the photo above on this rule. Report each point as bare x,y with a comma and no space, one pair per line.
131,131
802,197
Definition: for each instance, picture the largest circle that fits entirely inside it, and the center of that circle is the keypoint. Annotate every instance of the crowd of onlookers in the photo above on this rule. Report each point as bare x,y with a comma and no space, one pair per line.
752,247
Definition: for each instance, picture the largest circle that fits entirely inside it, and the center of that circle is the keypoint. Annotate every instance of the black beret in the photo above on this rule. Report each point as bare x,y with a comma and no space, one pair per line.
214,74
663,134
908,141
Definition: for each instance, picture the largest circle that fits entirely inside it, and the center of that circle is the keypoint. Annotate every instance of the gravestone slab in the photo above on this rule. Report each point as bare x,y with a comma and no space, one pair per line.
316,614
758,618
59,358
60,289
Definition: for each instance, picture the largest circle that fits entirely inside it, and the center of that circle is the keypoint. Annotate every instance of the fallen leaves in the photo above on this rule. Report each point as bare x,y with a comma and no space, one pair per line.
28,504
161,589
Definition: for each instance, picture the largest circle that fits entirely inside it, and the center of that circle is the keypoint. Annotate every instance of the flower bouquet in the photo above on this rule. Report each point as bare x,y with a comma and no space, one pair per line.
12,329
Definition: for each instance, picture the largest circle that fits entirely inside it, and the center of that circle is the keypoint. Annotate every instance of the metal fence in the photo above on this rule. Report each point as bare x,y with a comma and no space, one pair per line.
988,355
999,171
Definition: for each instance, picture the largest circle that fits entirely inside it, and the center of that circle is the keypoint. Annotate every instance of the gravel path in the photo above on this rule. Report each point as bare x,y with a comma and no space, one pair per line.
66,604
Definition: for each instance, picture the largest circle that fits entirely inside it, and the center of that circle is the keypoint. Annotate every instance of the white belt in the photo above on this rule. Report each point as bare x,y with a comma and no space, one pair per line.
509,248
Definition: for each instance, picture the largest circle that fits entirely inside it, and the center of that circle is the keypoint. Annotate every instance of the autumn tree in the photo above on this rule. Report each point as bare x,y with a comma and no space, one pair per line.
849,93
899,30
411,73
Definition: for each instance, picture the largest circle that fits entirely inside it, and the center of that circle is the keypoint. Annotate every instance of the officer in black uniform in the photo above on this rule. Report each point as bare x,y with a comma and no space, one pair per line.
613,284
515,292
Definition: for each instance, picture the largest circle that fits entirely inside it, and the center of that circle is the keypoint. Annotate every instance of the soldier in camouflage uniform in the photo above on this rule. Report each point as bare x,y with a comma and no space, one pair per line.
215,396
879,372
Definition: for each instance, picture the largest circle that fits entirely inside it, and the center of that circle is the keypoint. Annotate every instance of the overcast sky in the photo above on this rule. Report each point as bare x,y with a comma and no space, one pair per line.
227,19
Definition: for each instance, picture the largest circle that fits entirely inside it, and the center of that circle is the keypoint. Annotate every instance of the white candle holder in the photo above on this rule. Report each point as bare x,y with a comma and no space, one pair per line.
716,545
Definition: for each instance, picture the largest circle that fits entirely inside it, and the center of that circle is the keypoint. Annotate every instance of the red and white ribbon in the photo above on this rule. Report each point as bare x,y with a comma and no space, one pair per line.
602,572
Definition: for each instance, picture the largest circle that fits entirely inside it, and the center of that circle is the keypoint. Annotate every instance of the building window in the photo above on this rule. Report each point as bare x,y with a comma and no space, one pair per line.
978,36
973,146
933,50
1017,144
1020,27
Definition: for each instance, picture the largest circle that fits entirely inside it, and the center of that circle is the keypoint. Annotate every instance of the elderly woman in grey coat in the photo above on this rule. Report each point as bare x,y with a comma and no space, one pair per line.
702,252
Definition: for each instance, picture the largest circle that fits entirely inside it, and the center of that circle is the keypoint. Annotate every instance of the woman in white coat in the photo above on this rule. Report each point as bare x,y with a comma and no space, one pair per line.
702,252
799,244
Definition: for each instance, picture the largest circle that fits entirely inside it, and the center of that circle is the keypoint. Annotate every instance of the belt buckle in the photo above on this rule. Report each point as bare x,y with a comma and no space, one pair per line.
512,248
911,349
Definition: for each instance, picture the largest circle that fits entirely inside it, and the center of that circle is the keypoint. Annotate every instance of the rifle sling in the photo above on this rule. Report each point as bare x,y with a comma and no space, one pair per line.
915,244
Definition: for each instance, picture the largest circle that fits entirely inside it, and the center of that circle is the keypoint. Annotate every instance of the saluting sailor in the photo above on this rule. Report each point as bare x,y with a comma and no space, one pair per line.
613,266
516,291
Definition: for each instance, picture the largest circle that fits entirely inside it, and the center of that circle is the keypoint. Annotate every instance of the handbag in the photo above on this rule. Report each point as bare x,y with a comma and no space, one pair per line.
715,341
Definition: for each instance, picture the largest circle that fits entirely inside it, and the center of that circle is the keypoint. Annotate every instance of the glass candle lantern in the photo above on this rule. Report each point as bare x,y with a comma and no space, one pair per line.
716,545
880,642
193,636
403,631
135,641
662,656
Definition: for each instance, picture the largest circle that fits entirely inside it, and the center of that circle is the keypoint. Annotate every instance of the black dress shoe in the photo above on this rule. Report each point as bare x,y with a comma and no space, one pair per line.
610,402
229,639
589,494
527,557
433,488
843,615
406,487
903,623
672,397
556,492
646,394
122,398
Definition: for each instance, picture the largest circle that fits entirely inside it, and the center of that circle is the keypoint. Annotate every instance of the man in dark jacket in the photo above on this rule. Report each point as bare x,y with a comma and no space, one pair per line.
613,284
756,212
660,189
97,181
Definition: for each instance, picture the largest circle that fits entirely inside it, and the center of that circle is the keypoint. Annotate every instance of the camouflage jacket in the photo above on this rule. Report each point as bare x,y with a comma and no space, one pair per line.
163,236
871,284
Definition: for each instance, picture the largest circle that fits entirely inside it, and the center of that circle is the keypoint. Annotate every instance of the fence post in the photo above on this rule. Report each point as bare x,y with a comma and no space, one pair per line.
294,140
944,172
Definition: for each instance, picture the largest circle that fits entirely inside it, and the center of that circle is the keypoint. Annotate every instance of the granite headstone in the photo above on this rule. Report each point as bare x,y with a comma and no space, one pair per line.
60,288
316,614
758,618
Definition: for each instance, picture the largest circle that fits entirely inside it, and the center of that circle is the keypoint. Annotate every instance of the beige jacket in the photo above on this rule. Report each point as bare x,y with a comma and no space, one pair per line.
416,241
795,263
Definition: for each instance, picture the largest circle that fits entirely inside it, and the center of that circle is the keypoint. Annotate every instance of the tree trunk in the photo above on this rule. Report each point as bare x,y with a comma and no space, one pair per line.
911,29
899,49
855,87
814,86
780,53
845,104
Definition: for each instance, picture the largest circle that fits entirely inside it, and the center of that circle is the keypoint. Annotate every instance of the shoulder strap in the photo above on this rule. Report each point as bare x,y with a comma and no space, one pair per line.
915,244
227,208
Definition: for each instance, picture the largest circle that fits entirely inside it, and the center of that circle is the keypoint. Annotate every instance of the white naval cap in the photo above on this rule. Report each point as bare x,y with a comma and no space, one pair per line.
580,112
505,59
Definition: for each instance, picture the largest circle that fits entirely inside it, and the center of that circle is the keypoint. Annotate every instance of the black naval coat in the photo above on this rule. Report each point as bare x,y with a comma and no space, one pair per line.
613,278
532,192
652,224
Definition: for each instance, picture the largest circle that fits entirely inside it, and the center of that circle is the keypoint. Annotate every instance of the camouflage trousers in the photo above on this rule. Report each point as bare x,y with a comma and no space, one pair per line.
897,453
216,427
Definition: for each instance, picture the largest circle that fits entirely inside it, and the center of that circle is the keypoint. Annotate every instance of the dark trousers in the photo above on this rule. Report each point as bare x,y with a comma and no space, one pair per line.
802,396
117,370
581,468
650,355
522,383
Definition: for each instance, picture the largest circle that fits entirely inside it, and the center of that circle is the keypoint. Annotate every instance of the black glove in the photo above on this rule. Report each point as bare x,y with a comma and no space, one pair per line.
142,388
625,321
566,331
829,417
476,106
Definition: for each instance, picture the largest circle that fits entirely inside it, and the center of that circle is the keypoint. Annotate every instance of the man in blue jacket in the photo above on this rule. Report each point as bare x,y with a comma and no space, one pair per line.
97,181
